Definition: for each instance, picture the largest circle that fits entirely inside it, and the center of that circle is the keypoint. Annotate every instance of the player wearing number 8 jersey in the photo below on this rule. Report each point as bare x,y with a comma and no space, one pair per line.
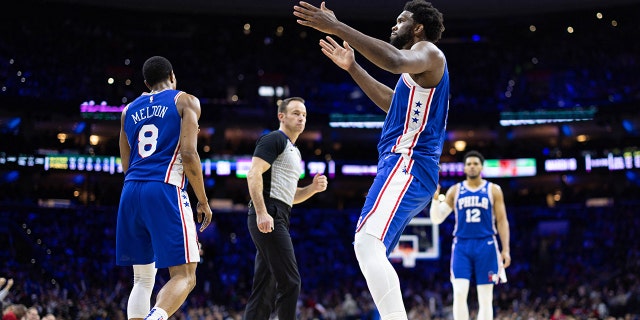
155,227
480,212
151,124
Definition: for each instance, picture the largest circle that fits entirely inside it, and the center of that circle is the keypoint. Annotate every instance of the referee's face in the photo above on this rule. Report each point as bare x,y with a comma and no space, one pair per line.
295,117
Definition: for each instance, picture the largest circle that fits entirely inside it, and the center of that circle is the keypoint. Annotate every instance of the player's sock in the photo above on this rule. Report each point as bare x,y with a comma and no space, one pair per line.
157,314
381,277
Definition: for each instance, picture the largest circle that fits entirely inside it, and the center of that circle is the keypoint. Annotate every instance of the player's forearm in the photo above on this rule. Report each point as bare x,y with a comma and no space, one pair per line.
503,232
193,169
379,52
439,211
379,93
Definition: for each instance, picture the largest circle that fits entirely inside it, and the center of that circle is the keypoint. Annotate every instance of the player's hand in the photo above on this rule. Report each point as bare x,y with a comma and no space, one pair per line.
204,215
342,56
321,19
437,193
506,258
265,222
320,182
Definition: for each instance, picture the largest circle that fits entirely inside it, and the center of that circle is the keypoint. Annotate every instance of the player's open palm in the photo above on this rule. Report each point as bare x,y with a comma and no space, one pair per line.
343,57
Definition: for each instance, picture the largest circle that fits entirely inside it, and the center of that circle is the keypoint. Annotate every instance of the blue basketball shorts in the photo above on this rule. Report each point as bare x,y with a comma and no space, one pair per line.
395,197
155,224
475,257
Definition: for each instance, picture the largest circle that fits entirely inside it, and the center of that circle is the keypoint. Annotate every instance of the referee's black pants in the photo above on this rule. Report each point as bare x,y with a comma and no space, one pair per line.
276,280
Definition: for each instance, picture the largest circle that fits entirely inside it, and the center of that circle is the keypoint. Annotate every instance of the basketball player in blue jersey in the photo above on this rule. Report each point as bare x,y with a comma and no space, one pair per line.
155,227
412,136
479,208
273,185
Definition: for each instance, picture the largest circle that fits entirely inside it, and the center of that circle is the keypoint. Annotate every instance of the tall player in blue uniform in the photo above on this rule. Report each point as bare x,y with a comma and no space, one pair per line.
480,212
412,136
155,227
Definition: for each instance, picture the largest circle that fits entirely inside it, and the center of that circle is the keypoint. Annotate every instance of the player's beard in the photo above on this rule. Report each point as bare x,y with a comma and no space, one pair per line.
473,176
400,40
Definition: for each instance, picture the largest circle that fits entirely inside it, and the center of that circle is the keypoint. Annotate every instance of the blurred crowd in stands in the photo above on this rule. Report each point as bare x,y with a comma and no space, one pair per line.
570,261
65,54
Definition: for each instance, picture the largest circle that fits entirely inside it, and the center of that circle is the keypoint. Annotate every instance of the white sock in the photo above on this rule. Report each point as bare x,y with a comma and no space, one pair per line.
460,292
139,303
381,277
157,314
485,301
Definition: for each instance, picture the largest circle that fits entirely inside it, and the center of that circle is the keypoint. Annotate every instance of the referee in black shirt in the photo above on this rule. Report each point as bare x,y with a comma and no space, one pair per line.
273,186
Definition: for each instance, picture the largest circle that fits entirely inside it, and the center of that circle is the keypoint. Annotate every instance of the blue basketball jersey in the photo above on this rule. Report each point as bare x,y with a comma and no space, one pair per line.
415,124
473,210
152,124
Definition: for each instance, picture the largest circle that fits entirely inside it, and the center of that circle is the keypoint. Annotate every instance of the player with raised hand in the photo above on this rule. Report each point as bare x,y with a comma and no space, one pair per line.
412,136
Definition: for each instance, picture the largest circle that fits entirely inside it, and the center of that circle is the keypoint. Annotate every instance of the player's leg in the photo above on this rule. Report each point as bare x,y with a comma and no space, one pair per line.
393,199
133,247
173,232
174,292
460,294
133,242
487,274
460,278
485,301
139,303
381,277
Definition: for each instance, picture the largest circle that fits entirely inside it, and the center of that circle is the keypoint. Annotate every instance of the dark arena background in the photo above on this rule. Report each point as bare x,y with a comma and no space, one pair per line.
548,91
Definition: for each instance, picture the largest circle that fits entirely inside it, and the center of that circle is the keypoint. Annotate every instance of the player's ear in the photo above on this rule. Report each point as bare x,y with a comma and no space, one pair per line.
418,29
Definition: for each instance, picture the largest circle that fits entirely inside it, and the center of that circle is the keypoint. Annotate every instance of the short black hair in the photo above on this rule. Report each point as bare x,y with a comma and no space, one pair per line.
282,108
427,15
156,69
473,153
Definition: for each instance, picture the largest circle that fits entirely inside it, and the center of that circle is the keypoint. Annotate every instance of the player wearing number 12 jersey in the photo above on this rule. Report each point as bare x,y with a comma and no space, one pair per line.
479,210
155,227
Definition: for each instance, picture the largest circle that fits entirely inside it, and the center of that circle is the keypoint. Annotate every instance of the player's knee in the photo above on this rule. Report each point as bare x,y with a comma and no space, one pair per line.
358,247
367,246
144,275
191,281
485,294
460,288
186,276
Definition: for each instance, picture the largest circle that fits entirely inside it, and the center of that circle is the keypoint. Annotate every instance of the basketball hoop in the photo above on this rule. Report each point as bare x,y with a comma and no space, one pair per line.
408,257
